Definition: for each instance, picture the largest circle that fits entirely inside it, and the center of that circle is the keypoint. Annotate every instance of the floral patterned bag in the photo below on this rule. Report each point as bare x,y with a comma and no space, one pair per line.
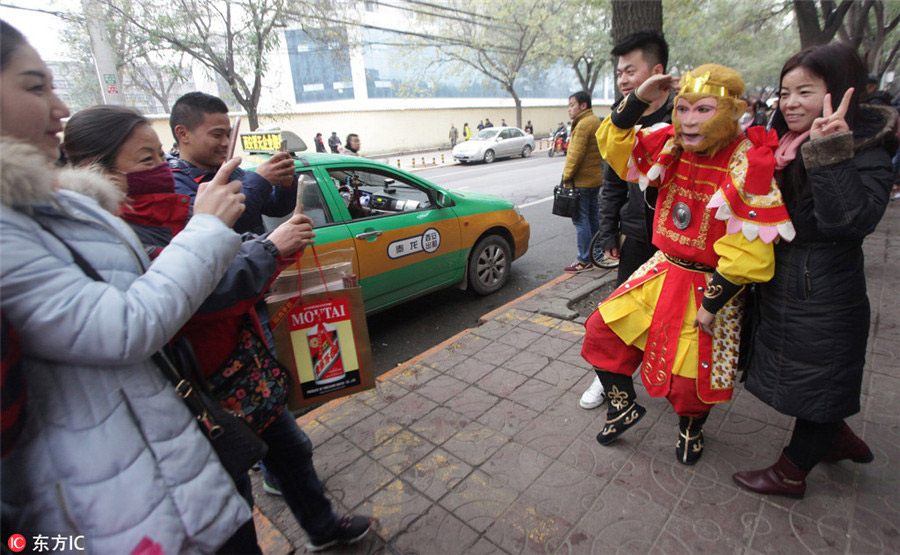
252,383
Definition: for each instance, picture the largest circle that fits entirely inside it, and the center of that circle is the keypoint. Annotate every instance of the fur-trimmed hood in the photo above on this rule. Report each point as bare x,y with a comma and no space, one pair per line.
28,179
875,125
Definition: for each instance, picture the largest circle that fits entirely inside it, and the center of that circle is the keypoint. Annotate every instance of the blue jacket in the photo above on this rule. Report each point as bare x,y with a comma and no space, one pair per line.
262,198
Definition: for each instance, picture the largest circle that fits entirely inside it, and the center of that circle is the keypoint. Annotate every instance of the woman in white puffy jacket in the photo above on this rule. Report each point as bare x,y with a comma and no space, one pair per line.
108,451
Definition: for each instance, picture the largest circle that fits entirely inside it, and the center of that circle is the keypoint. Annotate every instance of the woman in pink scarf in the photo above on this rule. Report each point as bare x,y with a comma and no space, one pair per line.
807,353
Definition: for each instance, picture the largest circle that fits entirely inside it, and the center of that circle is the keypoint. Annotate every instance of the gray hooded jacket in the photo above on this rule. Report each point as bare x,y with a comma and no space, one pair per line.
108,450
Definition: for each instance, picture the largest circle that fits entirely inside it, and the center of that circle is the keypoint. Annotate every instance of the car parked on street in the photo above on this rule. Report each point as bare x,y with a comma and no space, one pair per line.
406,236
494,142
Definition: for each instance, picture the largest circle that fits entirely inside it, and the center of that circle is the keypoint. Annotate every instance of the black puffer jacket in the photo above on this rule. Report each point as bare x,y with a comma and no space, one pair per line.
808,346
623,206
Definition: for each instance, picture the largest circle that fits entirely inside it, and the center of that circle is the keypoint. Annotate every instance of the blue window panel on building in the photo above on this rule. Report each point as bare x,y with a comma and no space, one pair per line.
319,73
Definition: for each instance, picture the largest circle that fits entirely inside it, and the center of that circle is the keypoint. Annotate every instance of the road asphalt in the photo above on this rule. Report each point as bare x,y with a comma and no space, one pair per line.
478,445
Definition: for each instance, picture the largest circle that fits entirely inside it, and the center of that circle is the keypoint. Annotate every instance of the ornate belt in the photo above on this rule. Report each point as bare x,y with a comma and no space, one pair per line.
689,265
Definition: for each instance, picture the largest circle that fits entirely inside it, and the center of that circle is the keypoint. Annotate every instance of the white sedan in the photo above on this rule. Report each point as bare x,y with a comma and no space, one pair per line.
494,142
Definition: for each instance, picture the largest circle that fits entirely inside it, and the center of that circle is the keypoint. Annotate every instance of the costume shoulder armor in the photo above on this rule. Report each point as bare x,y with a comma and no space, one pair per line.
751,201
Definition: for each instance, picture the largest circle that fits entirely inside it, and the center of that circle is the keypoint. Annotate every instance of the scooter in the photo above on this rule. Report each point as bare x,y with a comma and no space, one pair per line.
558,145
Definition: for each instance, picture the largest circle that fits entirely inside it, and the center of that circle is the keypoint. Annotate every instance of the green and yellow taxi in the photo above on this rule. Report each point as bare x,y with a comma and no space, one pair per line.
404,235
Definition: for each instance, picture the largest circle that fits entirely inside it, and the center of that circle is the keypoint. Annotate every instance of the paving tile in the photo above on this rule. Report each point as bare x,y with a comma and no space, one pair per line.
345,415
354,483
497,353
484,547
721,512
600,461
656,480
436,473
402,450
885,398
475,443
468,344
479,500
538,323
619,522
492,329
748,406
781,531
740,443
507,417
550,346
410,408
501,382
549,434
519,337
536,395
564,375
444,359
528,527
567,406
372,431
828,490
395,506
572,356
439,425
472,402
880,529
384,394
526,363
566,491
437,531
317,432
688,536
441,387
414,377
334,455
471,370
516,465
570,331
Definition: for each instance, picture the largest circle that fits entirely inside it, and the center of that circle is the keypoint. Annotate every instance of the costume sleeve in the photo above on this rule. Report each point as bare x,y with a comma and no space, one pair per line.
741,261
615,144
850,192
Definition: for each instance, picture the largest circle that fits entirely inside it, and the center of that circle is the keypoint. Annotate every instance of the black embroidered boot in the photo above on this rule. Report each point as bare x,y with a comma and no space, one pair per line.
690,439
622,411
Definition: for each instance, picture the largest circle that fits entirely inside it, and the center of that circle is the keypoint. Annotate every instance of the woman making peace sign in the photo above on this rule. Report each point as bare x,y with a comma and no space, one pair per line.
812,321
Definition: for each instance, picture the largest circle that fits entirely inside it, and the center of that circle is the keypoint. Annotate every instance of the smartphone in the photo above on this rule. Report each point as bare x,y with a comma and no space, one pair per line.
232,140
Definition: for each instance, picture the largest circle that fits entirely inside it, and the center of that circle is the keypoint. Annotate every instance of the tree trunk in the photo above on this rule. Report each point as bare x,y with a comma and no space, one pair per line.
518,102
631,16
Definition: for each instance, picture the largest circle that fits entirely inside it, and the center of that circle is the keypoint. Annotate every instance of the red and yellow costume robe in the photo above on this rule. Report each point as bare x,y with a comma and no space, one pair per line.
735,213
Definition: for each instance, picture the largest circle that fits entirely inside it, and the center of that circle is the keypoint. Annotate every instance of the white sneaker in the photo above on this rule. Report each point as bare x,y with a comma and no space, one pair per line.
593,397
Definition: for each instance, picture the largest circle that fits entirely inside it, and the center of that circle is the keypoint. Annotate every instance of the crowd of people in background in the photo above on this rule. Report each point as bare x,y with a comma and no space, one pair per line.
97,441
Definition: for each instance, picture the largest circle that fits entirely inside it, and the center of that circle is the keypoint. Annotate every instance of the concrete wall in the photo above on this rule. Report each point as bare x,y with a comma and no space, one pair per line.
409,129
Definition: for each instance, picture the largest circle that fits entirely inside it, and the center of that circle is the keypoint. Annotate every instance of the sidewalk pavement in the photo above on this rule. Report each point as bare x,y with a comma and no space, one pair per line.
479,446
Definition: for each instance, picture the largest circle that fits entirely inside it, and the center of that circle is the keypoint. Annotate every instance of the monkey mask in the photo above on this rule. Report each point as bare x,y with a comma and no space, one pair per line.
725,86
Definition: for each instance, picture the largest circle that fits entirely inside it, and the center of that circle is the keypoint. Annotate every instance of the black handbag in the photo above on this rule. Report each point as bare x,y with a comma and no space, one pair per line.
565,201
235,442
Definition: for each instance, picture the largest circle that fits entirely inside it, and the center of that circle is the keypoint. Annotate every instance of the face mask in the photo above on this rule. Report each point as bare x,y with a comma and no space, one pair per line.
158,179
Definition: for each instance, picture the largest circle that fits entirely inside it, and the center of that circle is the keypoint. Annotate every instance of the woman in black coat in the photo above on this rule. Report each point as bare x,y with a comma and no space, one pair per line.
812,319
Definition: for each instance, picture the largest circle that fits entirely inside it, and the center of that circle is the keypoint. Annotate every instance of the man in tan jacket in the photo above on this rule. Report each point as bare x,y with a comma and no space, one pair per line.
584,171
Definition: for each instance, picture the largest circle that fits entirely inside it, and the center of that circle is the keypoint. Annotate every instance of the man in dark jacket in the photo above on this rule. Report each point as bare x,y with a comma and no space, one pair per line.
200,124
334,142
624,208
320,143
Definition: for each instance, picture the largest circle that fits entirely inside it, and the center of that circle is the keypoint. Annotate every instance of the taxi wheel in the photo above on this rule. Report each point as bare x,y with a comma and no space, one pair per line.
489,265
489,156
526,152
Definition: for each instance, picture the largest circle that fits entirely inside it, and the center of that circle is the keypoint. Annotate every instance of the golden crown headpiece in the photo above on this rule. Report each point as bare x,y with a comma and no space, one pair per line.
700,84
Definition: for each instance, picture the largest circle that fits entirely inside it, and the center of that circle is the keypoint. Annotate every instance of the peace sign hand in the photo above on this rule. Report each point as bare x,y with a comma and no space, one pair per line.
831,122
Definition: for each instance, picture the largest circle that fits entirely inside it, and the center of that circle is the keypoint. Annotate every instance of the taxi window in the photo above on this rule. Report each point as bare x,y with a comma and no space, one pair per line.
372,194
313,203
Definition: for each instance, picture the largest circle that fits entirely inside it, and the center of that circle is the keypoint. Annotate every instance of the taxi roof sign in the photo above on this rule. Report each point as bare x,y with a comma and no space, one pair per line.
267,142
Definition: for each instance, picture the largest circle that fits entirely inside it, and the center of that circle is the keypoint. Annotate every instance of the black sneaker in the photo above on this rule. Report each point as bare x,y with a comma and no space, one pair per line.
348,529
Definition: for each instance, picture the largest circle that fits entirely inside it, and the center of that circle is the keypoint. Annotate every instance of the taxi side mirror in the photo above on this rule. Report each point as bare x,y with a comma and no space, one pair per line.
443,200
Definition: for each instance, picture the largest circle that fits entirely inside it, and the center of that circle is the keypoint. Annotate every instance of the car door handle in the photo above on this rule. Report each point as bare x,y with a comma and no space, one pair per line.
369,234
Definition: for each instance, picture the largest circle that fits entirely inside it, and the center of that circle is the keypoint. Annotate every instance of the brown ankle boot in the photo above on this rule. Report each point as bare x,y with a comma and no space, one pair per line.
848,445
782,478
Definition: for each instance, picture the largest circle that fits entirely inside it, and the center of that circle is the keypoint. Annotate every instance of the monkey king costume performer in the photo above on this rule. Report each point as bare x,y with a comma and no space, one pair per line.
717,215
